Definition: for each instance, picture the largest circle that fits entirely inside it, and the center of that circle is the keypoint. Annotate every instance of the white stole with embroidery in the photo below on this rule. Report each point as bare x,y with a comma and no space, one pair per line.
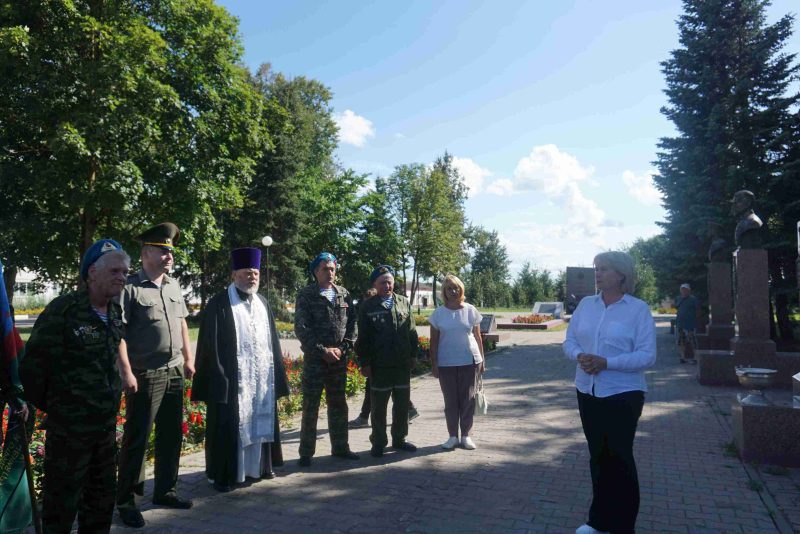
256,370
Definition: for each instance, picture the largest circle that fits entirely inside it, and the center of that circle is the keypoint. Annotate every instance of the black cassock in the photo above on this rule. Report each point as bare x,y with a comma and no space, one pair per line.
216,383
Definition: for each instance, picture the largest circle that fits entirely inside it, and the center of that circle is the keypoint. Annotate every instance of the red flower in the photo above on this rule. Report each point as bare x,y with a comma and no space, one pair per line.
185,428
188,393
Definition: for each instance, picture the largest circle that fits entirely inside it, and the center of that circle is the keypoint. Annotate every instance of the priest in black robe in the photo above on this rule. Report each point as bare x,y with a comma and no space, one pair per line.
238,338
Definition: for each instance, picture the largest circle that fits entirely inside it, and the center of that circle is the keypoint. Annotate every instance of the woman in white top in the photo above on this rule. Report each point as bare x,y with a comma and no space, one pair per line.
612,337
457,358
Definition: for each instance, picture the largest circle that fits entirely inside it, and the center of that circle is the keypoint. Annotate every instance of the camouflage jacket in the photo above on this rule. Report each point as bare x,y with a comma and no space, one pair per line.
319,324
69,370
387,338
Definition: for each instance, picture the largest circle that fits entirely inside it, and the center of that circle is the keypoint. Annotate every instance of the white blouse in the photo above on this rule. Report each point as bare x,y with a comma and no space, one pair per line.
623,333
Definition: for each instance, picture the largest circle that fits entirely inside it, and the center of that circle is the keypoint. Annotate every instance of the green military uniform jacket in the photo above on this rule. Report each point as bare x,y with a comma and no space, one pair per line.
153,316
319,324
69,370
387,338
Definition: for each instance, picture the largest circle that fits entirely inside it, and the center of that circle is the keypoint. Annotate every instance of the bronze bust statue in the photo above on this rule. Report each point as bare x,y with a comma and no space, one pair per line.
748,229
718,250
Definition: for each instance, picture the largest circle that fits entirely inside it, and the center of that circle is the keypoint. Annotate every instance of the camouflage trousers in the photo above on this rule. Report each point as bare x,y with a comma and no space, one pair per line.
79,477
318,375
394,382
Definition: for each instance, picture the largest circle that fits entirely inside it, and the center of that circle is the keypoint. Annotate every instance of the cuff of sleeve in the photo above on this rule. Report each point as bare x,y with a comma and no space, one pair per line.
575,353
611,364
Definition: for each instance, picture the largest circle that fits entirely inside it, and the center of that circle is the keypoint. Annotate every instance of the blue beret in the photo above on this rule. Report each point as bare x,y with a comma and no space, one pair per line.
94,252
322,256
380,270
246,258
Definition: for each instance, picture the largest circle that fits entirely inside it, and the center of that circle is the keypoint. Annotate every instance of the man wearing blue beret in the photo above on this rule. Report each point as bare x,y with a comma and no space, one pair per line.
387,347
325,324
70,373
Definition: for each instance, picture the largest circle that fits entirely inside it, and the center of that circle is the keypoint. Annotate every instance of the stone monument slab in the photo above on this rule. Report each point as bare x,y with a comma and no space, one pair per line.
488,323
556,309
752,293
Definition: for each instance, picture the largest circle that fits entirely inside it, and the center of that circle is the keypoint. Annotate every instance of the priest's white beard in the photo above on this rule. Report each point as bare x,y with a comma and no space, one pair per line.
250,290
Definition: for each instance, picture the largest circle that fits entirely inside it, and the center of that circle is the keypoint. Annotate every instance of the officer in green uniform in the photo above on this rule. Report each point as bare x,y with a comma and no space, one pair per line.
387,346
154,358
69,372
325,324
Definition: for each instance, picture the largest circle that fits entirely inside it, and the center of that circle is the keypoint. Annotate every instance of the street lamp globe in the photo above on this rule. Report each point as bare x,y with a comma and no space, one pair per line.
266,241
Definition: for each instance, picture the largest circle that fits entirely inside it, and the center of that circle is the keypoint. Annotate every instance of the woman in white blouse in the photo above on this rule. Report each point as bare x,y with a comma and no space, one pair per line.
612,337
457,358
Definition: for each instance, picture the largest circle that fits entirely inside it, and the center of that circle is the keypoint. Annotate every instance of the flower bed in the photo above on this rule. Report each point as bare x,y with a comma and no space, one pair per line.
535,318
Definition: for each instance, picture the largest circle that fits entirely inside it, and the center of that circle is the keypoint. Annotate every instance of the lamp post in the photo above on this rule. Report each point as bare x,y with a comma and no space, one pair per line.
267,242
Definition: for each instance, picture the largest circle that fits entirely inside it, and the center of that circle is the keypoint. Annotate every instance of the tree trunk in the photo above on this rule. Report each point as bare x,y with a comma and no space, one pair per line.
413,285
88,220
9,278
433,294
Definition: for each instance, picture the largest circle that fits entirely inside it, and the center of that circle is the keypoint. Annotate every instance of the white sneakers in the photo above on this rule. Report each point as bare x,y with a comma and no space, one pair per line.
466,442
586,529
450,444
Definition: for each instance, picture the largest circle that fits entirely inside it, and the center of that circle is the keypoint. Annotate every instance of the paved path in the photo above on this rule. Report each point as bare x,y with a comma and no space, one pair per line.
529,473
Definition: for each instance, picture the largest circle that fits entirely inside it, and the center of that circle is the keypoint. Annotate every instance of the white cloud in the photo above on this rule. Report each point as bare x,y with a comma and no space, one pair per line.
642,188
399,135
353,129
558,174
472,173
550,170
501,187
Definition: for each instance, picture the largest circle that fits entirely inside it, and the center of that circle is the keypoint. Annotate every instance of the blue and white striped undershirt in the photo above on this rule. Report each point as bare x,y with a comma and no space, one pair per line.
388,302
329,294
103,316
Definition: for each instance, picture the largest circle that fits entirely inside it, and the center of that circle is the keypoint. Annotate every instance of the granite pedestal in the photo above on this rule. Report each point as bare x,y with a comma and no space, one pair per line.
767,434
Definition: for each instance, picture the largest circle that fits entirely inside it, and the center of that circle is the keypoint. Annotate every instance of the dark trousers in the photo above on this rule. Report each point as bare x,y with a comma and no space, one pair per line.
394,382
159,401
458,390
609,424
78,478
366,405
333,379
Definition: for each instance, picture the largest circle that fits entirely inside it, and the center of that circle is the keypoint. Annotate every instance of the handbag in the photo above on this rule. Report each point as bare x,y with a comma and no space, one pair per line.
481,404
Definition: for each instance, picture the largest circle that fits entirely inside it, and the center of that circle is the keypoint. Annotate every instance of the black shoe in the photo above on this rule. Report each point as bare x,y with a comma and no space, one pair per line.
377,452
269,475
222,488
173,501
304,461
412,413
131,517
404,446
347,455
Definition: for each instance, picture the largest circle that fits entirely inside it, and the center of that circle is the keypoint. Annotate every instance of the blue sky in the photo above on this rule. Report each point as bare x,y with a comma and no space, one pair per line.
550,108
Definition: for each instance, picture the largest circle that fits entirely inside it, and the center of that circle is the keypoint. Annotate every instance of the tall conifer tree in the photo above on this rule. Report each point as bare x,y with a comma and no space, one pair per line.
728,87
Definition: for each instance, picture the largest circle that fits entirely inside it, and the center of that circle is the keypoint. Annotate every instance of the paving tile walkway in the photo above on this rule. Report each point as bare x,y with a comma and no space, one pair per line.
529,473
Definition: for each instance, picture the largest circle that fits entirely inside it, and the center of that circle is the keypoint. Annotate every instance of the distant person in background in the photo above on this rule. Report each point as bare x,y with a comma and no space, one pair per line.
612,338
685,324
457,359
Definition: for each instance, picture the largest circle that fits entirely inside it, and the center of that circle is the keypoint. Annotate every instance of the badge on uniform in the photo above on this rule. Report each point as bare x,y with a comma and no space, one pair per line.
87,332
